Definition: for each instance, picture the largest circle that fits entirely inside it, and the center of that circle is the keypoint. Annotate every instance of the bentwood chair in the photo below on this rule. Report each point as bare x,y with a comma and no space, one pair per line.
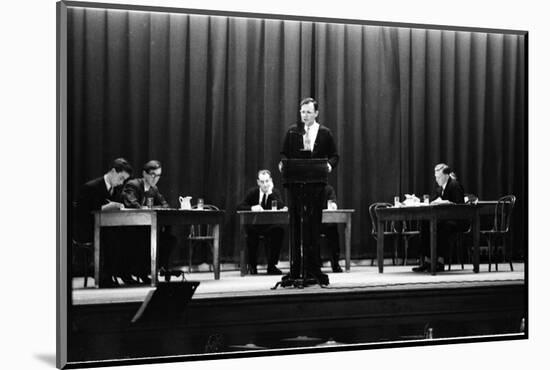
458,242
389,229
83,250
500,229
201,235
407,230
86,249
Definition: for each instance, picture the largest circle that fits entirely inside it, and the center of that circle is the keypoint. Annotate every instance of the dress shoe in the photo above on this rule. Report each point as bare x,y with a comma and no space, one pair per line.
422,268
273,270
169,273
127,279
321,278
165,273
336,267
252,270
145,279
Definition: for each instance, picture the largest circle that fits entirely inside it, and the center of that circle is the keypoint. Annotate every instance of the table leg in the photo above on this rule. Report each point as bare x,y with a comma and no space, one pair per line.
347,235
97,257
242,248
475,240
154,244
380,246
433,245
216,252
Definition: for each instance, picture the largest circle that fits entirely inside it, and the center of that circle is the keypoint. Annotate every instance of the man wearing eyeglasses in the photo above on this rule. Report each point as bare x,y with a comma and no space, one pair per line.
136,192
143,193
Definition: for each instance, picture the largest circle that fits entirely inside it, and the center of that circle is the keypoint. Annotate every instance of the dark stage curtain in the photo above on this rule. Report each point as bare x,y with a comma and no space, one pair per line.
211,97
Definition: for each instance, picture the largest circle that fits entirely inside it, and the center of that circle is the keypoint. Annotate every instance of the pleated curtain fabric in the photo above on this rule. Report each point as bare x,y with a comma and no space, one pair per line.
212,96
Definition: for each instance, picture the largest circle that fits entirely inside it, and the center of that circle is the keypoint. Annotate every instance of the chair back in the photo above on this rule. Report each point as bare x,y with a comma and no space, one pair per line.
503,213
388,225
201,231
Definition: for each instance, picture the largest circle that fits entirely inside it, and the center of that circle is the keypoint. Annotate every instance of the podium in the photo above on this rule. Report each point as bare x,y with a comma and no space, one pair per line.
304,179
305,171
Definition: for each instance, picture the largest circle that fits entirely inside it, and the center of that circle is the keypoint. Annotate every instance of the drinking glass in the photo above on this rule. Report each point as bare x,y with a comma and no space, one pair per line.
426,198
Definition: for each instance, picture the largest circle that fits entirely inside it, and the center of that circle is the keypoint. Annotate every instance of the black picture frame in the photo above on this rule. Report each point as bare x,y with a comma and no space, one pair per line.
63,286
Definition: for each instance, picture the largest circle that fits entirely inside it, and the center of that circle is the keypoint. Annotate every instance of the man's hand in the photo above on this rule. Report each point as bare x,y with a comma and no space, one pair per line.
440,201
111,206
256,208
329,167
280,166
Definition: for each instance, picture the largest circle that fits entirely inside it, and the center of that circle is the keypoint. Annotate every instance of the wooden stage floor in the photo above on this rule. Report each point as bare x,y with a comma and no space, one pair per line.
357,308
364,278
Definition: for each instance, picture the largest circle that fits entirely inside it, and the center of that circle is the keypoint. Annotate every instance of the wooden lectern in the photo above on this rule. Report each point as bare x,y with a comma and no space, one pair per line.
300,176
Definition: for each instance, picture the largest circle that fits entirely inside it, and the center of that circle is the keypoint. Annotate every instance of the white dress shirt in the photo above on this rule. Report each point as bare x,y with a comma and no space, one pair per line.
107,185
312,132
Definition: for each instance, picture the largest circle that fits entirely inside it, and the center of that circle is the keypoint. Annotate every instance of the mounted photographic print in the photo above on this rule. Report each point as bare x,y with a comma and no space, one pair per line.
240,184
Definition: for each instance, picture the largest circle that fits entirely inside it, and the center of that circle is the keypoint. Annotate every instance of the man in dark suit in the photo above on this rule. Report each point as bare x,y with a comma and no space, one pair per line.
448,190
308,139
102,193
261,198
139,193
331,230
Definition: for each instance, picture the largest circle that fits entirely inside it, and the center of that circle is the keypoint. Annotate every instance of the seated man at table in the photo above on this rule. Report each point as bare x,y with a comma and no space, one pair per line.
137,193
102,193
259,199
448,190
331,230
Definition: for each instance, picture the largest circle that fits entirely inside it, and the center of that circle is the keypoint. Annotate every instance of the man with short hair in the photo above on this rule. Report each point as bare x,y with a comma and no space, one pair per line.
102,193
448,190
260,198
136,191
307,139
135,194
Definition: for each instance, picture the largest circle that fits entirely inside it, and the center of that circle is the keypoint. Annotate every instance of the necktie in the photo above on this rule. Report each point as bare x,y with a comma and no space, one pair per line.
264,201
307,140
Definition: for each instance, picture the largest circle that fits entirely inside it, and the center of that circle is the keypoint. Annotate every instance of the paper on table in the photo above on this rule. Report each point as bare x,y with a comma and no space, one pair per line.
440,201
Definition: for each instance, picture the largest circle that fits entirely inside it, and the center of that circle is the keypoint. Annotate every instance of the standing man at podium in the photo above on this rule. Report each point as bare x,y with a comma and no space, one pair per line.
308,139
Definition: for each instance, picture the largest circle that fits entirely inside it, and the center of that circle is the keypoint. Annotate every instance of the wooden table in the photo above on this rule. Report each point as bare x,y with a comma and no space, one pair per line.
281,217
154,218
432,213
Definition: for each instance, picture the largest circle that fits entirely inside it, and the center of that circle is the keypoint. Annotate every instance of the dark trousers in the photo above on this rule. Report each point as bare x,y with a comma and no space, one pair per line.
333,241
111,244
273,239
446,231
305,202
134,258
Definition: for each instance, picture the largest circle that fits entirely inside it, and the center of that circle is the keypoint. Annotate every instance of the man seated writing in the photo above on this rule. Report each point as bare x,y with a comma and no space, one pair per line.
139,193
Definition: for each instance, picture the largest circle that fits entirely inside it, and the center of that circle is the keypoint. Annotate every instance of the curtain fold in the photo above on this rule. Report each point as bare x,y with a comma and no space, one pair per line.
211,97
